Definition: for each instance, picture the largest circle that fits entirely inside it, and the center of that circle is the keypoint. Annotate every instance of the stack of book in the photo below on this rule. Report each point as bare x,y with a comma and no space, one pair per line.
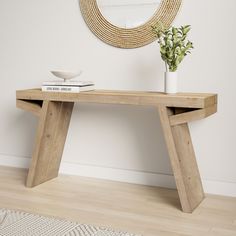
67,86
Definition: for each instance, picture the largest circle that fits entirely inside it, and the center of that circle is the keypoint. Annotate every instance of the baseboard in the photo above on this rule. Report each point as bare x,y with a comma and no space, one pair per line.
14,161
129,176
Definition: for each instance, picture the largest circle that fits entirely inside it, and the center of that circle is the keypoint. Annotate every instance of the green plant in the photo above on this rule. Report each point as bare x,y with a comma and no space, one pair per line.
174,45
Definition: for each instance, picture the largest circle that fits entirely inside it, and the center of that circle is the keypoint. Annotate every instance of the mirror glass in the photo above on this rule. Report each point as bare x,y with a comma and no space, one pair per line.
128,13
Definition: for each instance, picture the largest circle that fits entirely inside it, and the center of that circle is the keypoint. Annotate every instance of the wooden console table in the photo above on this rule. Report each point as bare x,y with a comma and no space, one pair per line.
54,111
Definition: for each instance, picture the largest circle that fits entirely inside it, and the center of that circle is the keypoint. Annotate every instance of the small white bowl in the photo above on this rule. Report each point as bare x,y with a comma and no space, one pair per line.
66,75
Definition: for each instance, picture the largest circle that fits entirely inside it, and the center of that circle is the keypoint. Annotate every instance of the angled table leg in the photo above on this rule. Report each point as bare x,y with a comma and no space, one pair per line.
51,134
183,161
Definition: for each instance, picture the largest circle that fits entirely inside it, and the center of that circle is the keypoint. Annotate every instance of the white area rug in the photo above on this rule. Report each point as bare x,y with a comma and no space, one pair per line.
17,223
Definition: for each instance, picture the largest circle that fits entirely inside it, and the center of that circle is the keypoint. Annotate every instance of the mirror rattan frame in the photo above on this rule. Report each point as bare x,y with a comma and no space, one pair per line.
127,38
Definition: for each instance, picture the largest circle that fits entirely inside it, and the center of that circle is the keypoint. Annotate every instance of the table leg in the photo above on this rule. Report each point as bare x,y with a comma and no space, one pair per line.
183,162
54,120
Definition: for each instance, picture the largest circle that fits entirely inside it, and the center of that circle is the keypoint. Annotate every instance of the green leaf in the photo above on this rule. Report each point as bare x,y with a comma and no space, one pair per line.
186,29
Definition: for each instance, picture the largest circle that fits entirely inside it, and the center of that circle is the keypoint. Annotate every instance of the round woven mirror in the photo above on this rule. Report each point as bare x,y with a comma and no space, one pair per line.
128,37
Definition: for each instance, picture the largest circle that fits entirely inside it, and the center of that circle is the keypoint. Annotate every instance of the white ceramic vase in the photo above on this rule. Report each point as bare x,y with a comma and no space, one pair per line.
171,82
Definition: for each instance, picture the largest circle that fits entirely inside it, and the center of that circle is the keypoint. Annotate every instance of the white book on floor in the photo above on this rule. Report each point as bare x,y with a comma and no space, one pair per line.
68,83
67,89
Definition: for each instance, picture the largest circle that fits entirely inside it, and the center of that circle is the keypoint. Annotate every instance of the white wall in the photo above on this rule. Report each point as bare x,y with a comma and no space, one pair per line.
119,142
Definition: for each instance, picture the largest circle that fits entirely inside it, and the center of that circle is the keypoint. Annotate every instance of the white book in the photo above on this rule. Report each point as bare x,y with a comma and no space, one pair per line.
67,89
68,83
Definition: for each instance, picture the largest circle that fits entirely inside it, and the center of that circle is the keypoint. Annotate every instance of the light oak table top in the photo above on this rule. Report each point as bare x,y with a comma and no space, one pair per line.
190,100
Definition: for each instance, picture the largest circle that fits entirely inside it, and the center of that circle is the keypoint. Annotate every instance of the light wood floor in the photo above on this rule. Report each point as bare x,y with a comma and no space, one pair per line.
138,209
